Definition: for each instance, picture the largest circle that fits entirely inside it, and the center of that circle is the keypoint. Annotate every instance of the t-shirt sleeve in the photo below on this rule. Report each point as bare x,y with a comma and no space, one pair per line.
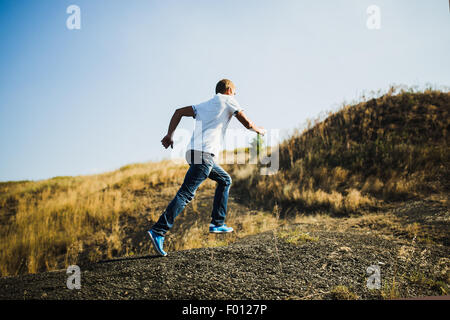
234,106
200,109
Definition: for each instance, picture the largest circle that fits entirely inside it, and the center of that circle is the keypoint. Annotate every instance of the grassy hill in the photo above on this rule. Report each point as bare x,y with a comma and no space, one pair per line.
392,148
50,224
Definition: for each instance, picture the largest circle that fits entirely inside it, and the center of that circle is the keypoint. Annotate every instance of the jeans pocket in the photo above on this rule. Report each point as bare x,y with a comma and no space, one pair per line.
199,157
208,159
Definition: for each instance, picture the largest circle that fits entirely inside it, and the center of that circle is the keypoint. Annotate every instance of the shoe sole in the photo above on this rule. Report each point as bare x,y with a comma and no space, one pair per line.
155,246
221,231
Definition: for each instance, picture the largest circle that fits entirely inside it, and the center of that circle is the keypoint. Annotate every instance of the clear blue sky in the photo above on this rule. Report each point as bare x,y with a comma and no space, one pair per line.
91,100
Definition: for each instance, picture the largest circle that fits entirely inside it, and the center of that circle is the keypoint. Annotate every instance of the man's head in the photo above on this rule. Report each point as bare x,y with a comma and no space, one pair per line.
225,86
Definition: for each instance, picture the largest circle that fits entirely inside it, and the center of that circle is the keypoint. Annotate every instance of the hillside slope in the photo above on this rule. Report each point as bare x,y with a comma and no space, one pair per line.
50,224
392,148
354,164
313,259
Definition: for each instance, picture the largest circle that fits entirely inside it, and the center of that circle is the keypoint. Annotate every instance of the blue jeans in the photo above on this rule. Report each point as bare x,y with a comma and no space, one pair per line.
201,167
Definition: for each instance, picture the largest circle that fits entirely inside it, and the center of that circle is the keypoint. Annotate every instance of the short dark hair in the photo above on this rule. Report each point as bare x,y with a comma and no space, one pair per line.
223,85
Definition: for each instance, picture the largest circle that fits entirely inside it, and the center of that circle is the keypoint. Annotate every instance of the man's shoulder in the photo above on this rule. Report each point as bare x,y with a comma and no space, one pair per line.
219,100
204,103
227,99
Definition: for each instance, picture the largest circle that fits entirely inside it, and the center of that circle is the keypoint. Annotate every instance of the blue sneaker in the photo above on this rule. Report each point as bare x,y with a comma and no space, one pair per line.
220,229
157,241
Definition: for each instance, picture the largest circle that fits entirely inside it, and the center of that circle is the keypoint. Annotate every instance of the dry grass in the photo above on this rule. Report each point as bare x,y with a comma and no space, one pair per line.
296,236
50,221
50,224
342,293
389,148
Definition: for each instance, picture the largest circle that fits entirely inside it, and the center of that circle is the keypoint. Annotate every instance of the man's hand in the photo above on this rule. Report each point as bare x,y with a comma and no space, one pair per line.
178,114
248,124
167,141
260,130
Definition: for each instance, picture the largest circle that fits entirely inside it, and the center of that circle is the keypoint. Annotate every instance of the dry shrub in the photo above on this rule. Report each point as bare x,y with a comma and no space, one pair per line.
355,200
56,220
342,293
373,185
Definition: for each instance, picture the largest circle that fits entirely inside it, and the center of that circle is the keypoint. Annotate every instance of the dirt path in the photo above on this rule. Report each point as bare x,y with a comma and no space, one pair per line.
324,263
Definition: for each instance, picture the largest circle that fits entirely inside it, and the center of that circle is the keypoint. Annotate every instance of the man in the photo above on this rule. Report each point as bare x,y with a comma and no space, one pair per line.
212,118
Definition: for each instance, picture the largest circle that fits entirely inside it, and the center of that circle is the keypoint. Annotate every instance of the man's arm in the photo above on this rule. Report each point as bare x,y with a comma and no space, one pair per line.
248,124
178,114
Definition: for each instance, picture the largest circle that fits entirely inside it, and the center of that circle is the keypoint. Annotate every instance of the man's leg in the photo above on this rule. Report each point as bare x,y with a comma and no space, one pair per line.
221,195
196,174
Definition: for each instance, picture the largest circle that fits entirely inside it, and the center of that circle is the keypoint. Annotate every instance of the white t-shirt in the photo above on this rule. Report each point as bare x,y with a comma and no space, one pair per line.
211,122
